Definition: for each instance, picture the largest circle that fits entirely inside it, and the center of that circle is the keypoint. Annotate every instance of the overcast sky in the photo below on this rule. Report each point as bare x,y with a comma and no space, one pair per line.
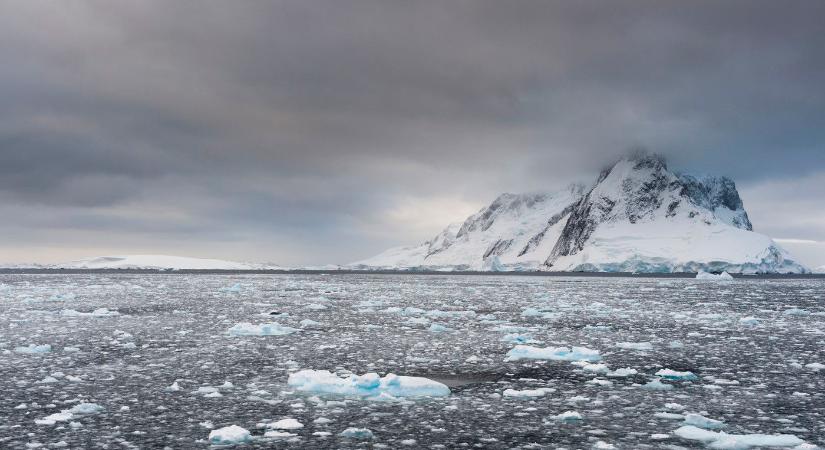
324,131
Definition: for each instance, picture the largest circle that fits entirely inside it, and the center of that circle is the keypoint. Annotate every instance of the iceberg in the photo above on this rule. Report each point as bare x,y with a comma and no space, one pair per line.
66,415
553,353
370,385
356,433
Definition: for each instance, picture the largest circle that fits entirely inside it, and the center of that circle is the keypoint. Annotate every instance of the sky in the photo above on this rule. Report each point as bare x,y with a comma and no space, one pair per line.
324,131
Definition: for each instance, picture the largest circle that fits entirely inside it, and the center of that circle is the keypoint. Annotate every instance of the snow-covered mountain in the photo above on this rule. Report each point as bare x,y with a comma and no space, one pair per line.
638,217
158,262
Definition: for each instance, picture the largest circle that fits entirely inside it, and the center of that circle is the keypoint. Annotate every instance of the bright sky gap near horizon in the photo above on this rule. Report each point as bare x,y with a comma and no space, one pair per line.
323,132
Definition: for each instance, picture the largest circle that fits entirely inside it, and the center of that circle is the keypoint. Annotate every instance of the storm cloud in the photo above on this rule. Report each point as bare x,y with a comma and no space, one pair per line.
312,132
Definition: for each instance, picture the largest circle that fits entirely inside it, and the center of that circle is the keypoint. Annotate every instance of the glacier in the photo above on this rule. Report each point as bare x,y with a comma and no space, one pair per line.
638,216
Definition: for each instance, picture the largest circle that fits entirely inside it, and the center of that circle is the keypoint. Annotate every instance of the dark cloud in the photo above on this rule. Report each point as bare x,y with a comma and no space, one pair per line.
314,131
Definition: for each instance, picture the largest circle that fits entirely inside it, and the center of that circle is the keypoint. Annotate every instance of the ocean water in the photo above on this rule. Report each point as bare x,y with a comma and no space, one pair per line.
156,354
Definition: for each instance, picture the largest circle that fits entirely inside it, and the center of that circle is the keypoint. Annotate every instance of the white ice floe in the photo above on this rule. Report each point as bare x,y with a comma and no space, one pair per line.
34,349
370,385
623,372
657,385
553,353
81,409
438,328
815,366
698,420
675,375
263,329
527,393
722,440
309,323
749,321
568,416
231,435
356,433
644,346
100,312
724,276
286,424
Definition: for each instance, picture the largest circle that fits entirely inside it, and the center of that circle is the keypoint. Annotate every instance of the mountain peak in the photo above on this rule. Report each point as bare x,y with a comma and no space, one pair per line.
637,216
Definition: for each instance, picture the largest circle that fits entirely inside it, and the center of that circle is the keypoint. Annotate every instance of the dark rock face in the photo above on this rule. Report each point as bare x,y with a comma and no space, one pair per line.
499,247
715,192
536,240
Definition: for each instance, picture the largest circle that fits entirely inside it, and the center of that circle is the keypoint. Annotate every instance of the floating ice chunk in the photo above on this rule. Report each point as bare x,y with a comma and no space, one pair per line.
309,323
724,276
602,445
527,393
34,349
669,374
263,329
231,435
644,346
657,385
553,353
568,416
698,420
438,328
356,433
286,424
69,414
278,434
369,385
235,288
815,366
722,440
174,387
749,321
596,368
796,312
624,372
62,297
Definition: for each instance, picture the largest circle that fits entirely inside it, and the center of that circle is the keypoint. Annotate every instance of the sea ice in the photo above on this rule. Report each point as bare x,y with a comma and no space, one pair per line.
370,385
553,353
231,435
263,329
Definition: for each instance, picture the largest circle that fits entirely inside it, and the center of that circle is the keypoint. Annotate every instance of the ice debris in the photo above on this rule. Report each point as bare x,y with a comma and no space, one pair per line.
370,385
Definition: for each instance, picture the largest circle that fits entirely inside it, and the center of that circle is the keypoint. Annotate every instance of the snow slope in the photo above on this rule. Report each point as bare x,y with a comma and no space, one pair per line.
637,216
820,269
158,262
